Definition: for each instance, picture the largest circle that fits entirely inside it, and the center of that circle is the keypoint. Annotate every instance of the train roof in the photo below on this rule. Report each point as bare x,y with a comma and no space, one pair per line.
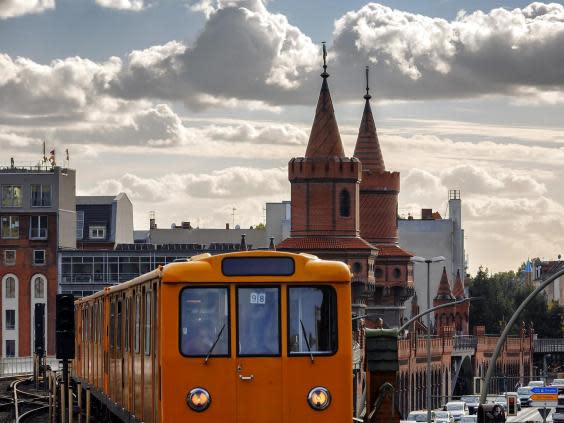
205,268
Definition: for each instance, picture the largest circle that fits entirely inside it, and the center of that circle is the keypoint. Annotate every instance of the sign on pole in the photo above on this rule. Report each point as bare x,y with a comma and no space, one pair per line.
544,397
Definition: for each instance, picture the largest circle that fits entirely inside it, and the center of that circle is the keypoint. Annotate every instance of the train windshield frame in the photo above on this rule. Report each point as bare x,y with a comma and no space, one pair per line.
312,320
258,321
258,266
205,312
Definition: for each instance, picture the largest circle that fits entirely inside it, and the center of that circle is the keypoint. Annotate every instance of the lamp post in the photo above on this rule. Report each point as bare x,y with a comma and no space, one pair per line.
417,259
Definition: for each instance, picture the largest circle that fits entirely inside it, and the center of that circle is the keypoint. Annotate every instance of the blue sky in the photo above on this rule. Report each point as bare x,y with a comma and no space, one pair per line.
209,99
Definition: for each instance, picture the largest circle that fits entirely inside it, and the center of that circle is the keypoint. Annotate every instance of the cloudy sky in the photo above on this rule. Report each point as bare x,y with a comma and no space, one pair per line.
195,107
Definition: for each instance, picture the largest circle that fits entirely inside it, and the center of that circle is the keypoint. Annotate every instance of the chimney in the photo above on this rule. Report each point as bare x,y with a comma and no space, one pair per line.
427,214
271,245
227,226
185,225
152,220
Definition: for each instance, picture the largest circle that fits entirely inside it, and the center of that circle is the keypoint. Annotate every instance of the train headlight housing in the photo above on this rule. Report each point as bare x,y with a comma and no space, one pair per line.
198,399
319,398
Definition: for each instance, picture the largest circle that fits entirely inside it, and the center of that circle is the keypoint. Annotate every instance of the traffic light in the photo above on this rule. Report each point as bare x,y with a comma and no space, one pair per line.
64,326
511,405
490,413
39,329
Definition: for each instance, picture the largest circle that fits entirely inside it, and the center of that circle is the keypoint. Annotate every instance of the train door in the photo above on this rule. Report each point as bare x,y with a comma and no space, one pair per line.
147,357
127,353
119,351
259,348
137,359
112,349
156,385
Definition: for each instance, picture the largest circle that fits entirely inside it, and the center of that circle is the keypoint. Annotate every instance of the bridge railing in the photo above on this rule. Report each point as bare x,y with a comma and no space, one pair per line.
549,345
12,366
465,342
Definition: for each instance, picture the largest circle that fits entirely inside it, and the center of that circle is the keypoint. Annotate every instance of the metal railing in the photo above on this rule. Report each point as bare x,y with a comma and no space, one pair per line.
11,366
549,345
465,342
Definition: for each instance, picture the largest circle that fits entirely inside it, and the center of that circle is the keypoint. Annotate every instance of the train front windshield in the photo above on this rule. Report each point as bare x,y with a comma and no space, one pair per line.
204,320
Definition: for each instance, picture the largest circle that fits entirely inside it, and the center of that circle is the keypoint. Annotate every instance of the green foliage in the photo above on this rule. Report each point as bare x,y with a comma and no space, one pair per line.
260,226
501,294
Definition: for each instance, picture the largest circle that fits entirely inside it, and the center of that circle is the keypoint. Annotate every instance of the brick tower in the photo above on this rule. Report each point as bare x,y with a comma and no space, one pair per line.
325,199
379,189
461,310
444,316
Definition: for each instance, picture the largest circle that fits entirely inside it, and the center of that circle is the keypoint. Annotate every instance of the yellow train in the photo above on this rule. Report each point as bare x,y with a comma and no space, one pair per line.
248,337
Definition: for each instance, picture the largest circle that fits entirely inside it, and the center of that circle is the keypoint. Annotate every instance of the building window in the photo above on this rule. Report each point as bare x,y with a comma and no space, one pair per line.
11,196
38,227
397,272
10,348
10,319
38,257
39,287
97,232
345,203
10,291
9,257
40,195
79,224
10,227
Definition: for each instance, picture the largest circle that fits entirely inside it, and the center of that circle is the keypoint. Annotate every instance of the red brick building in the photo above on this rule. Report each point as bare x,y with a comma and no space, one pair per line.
37,217
346,209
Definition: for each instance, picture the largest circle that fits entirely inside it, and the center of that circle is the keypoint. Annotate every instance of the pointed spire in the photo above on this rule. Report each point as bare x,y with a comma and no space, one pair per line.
444,293
324,139
458,289
367,148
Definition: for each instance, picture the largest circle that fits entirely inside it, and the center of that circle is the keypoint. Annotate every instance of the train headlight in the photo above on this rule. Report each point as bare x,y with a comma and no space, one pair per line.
319,398
198,399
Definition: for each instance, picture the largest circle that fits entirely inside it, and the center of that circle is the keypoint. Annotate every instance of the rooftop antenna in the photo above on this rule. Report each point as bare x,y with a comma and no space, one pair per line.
233,216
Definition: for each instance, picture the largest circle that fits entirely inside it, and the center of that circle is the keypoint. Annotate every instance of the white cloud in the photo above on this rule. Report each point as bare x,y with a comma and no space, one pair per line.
133,5
13,8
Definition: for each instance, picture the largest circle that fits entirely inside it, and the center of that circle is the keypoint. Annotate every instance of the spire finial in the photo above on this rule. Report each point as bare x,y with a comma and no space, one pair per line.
324,74
367,96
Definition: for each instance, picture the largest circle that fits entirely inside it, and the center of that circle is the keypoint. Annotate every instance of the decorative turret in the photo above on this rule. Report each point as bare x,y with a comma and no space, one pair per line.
458,290
444,292
444,317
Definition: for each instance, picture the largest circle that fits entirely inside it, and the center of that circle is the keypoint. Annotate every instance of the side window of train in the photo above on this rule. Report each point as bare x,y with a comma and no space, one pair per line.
258,321
312,320
148,323
127,323
112,323
137,334
119,323
204,320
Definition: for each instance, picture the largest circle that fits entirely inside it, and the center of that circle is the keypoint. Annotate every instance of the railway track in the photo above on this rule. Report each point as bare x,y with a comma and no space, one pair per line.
27,405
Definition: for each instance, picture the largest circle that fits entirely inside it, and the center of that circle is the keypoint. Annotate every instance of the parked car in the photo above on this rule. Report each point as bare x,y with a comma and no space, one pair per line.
457,409
419,416
558,415
443,417
501,400
469,419
558,383
524,394
536,383
472,401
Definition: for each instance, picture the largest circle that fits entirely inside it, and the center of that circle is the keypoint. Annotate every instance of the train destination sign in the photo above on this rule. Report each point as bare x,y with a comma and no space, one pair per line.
544,397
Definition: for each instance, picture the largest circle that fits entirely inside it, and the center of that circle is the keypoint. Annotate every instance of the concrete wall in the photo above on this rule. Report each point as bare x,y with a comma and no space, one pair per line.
67,209
123,218
278,221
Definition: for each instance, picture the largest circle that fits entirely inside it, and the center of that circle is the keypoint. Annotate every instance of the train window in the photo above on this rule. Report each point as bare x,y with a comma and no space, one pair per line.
258,321
126,329
312,320
112,322
258,266
148,323
204,321
137,334
118,330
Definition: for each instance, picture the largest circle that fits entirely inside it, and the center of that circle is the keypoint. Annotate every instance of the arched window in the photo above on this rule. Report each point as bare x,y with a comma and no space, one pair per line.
38,287
345,203
10,289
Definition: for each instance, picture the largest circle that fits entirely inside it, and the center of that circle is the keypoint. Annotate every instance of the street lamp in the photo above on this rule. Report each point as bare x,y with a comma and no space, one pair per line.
418,259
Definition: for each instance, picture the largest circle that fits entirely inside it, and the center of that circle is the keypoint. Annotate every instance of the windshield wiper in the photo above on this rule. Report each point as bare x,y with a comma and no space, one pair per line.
306,341
214,344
